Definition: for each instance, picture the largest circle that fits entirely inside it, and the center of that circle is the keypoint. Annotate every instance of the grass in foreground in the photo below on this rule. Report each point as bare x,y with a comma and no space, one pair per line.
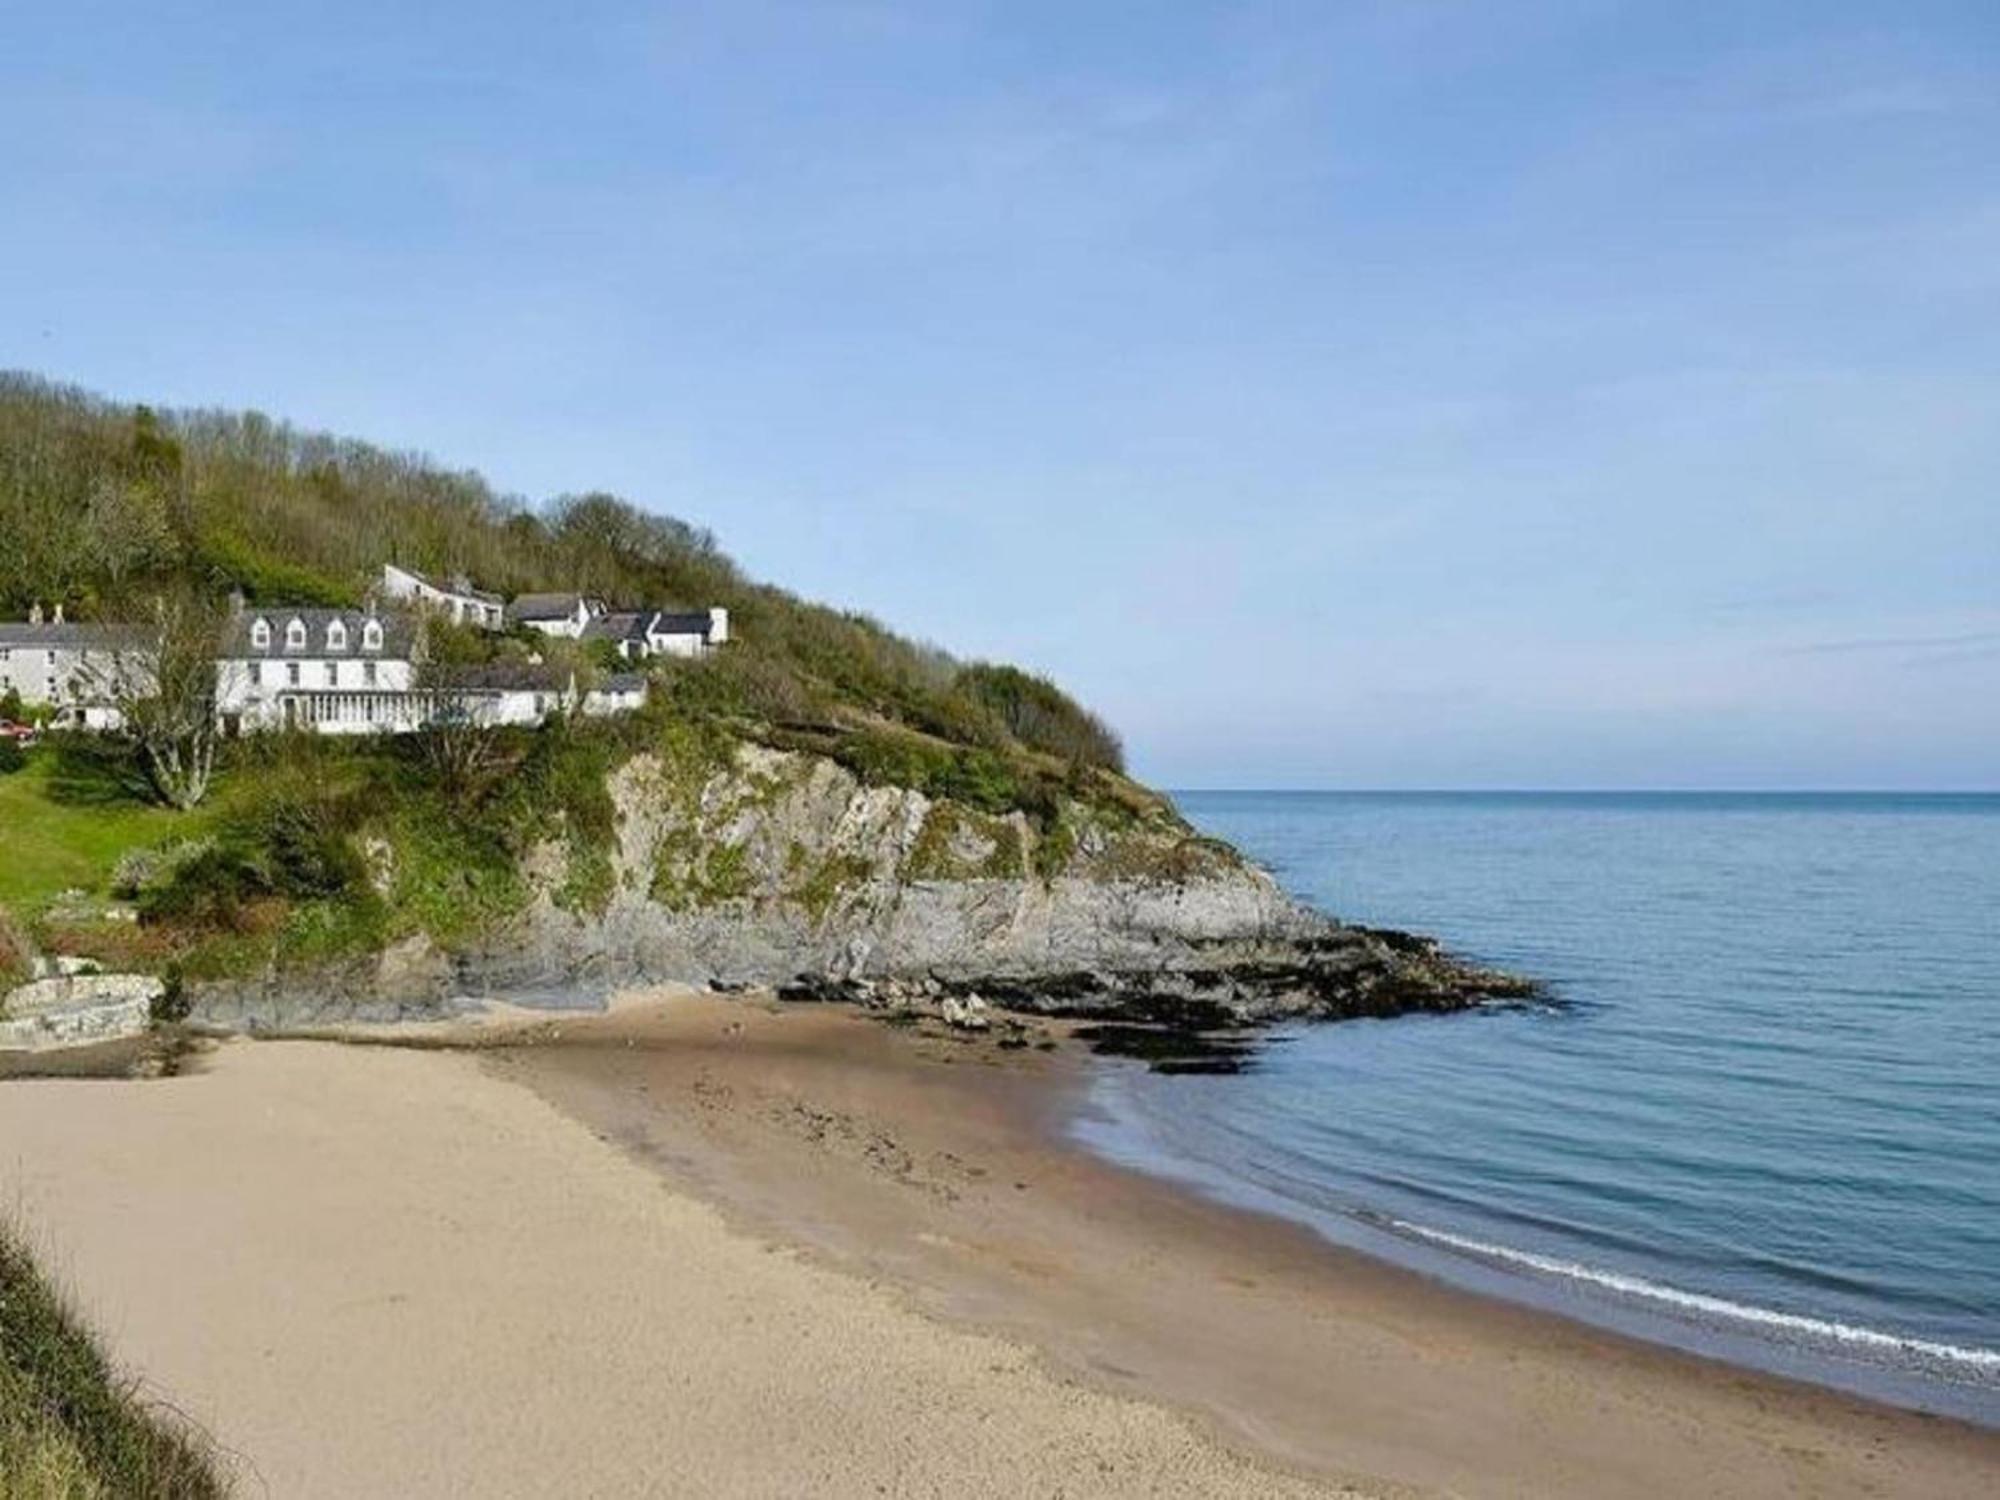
60,837
70,1428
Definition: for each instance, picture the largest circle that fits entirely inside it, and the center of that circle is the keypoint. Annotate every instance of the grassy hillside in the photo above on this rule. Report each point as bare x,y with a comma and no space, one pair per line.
62,836
308,849
103,502
70,1429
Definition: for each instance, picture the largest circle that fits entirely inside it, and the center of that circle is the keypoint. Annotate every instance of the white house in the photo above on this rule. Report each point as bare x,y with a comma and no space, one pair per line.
458,599
499,693
564,615
68,668
336,671
619,693
655,632
329,671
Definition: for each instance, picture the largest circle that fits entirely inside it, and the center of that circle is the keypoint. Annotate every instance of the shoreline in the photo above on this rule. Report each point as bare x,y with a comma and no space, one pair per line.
1257,1325
685,1208
1654,1314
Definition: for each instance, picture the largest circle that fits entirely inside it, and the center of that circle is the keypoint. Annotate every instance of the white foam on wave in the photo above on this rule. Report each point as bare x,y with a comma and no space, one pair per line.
1985,1362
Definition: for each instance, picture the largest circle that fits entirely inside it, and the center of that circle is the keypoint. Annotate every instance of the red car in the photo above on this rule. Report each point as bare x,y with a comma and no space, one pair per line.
23,735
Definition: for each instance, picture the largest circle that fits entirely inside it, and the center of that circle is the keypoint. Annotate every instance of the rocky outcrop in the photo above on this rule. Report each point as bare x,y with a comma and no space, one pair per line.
779,869
73,1009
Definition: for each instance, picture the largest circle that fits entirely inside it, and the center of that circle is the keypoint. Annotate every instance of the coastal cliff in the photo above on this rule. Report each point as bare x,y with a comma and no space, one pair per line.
769,868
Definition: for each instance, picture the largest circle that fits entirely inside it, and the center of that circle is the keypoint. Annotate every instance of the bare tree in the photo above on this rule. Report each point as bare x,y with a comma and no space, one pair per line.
159,683
457,741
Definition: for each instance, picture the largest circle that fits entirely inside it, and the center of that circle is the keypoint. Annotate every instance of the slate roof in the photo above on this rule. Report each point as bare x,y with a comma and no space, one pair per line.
627,625
460,585
544,606
508,676
399,633
683,622
74,635
623,682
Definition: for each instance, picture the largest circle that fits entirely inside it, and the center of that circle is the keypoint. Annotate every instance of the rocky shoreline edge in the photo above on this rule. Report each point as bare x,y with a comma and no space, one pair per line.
1197,1020
785,873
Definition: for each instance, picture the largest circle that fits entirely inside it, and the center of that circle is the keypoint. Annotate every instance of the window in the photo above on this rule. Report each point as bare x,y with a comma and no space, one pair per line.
336,636
295,636
371,636
292,673
332,674
260,635
368,673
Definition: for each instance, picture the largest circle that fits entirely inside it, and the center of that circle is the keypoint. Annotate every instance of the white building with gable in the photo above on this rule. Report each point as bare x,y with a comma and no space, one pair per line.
337,671
457,600
645,633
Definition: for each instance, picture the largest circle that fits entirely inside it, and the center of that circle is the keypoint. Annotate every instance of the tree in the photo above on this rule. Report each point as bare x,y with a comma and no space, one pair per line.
160,686
457,741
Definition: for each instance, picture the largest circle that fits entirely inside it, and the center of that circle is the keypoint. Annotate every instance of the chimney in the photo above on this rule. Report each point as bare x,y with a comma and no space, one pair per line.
718,625
58,619
35,614
235,603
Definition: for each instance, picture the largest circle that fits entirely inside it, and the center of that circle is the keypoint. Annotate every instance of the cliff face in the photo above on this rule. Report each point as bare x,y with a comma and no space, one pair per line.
770,868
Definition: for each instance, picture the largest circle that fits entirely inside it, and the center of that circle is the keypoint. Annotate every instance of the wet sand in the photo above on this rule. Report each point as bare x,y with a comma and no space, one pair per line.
696,1247
934,1163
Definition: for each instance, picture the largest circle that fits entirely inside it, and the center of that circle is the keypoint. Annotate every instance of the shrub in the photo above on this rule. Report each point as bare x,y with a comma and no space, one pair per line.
138,870
16,952
212,890
12,757
1041,715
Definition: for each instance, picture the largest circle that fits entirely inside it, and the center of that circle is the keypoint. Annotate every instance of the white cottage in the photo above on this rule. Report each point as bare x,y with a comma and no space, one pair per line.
656,632
507,692
68,668
619,693
565,615
457,599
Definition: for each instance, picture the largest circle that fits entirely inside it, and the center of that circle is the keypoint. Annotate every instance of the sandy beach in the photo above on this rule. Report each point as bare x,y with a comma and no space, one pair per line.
700,1246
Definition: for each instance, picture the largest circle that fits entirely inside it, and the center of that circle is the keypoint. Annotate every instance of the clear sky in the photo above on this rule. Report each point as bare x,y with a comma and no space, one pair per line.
1426,392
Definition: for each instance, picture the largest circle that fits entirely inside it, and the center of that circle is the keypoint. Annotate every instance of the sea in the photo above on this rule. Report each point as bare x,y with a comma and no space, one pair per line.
1757,1116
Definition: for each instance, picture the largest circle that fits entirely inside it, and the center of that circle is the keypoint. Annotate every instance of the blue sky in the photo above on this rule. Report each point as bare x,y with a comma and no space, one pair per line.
1554,393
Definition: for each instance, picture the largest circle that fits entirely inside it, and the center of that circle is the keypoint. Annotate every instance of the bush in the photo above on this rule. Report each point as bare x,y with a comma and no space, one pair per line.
1041,715
16,952
12,757
212,890
138,870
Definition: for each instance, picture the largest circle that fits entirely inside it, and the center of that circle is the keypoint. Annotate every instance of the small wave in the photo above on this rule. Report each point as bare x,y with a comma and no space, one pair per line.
1986,1362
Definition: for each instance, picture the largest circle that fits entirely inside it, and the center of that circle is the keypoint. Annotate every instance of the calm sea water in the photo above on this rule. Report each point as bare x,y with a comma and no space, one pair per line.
1762,1119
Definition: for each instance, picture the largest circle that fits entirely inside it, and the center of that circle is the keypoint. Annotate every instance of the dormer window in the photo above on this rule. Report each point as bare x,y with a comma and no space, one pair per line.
260,635
371,636
295,636
336,636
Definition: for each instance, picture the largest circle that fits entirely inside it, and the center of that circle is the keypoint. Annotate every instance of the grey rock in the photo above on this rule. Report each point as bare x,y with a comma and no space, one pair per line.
76,1009
785,871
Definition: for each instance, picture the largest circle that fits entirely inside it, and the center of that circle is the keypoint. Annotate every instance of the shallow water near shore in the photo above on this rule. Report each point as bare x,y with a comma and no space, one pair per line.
1761,1121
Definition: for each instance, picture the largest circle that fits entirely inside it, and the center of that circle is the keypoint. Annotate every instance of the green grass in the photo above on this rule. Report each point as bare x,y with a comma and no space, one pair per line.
55,836
70,1427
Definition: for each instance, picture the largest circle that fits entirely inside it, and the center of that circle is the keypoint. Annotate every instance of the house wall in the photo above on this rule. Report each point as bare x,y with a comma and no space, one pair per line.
251,688
597,703
55,676
675,645
569,627
463,609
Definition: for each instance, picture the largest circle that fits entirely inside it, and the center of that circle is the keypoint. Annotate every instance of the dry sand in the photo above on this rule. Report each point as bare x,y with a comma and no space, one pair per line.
377,1272
383,1271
